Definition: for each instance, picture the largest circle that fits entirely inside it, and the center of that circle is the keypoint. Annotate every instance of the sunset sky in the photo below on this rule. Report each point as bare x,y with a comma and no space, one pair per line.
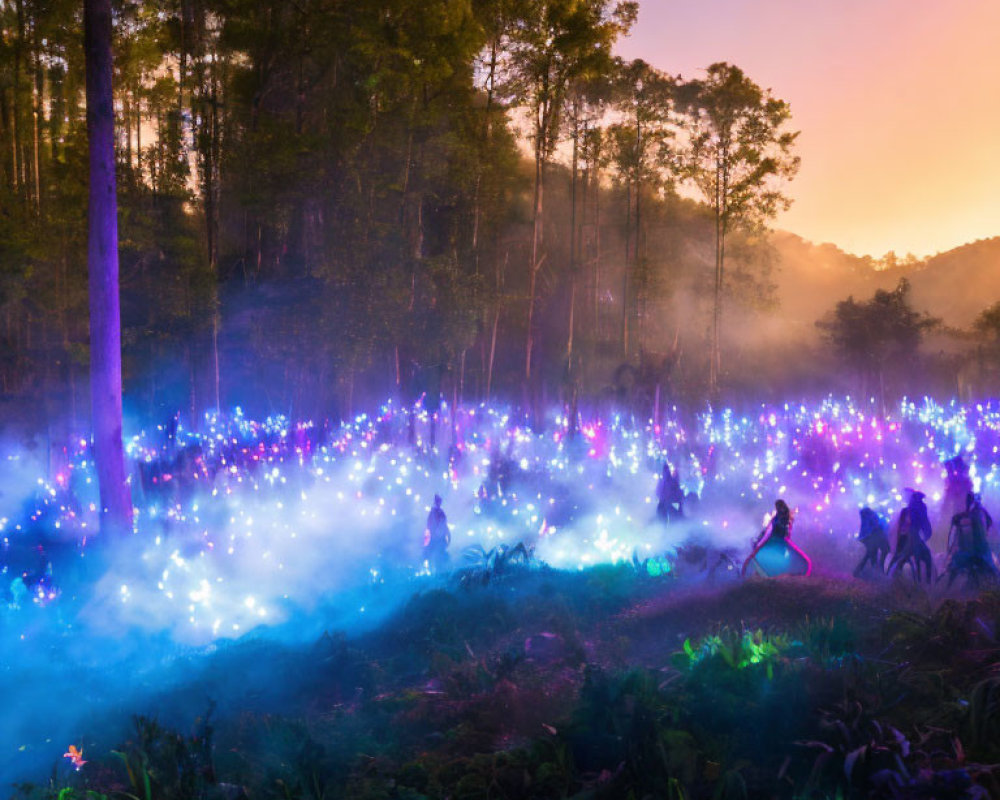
898,102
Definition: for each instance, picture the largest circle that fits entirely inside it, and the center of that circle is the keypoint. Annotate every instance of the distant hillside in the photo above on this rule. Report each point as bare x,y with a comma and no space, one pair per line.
955,286
959,284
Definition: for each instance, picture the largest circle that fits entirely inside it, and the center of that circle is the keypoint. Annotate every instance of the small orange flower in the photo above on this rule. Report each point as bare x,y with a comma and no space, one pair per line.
75,756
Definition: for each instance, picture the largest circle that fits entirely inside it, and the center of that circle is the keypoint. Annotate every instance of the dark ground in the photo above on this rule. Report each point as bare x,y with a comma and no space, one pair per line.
609,683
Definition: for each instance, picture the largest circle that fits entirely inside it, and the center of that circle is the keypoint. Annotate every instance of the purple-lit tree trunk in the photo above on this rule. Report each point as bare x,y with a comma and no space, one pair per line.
102,264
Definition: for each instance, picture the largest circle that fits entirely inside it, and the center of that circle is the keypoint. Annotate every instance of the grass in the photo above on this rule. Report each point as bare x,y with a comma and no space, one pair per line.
609,683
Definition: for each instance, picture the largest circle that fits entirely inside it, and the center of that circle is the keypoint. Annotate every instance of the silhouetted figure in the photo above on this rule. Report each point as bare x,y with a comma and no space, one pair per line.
967,545
499,474
670,496
874,536
437,537
773,553
913,529
957,485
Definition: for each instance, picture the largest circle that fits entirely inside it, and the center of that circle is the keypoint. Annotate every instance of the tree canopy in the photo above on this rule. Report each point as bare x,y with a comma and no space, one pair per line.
323,201
871,335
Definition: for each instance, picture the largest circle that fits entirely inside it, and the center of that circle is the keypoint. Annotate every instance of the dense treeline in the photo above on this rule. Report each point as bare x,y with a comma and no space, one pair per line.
324,202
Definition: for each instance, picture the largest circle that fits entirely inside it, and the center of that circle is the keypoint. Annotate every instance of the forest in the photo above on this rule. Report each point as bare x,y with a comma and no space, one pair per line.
462,360
324,202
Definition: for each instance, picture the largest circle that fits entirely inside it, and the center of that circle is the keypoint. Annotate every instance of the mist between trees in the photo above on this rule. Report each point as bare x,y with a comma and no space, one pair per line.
324,203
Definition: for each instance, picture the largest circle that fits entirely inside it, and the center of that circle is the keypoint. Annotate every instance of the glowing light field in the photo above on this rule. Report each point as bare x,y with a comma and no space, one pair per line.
245,524
286,528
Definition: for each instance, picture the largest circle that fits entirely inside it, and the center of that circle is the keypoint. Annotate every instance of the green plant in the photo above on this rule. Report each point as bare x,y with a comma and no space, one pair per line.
652,566
984,716
137,767
739,649
826,638
162,763
488,566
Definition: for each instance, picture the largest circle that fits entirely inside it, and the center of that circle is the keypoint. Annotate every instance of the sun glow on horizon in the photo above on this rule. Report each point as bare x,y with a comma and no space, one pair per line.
893,100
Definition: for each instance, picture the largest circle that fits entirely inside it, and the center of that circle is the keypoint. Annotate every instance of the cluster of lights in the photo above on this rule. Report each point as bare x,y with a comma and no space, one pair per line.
230,519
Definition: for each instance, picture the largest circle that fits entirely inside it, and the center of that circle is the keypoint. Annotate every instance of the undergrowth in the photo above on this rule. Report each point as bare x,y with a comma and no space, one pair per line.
524,683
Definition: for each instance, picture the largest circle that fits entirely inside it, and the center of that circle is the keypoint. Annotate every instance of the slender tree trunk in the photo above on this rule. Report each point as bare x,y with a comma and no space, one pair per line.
102,263
721,219
572,244
260,251
13,149
138,136
536,237
639,290
487,138
461,380
35,159
37,86
127,101
18,55
597,253
496,325
713,374
628,250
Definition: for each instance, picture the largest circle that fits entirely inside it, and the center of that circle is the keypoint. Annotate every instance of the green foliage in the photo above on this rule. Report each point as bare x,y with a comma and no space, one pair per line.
740,152
312,191
68,793
827,638
162,764
870,335
629,721
859,702
652,566
488,566
740,649
984,717
739,157
988,323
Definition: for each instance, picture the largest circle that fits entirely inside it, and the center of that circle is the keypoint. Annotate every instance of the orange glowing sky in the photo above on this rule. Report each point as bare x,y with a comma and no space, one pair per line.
898,102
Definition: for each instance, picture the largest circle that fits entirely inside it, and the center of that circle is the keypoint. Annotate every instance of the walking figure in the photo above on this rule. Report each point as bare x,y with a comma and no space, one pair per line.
913,529
874,537
967,545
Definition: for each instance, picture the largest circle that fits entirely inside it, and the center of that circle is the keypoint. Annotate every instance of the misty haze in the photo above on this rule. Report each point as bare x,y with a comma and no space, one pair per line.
498,399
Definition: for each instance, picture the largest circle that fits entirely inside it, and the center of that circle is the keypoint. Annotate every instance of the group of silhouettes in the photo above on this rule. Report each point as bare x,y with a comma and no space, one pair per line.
968,548
774,553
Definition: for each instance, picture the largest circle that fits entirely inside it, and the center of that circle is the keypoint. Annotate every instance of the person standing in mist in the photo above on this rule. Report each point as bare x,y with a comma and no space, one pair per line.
670,496
437,537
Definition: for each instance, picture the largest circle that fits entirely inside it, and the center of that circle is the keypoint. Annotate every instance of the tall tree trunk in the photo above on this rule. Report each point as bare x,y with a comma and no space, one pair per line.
628,250
487,138
639,290
37,87
721,219
713,370
18,56
13,146
496,324
573,253
597,252
138,135
536,239
102,264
